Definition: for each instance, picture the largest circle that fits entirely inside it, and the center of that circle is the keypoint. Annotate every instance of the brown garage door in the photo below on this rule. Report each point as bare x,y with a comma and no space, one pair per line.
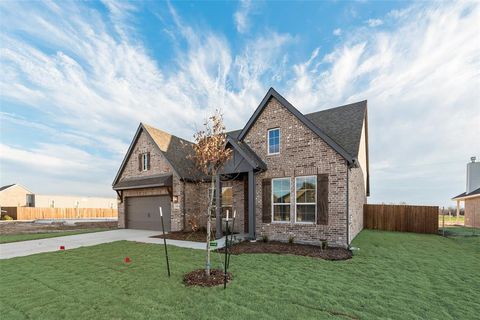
143,213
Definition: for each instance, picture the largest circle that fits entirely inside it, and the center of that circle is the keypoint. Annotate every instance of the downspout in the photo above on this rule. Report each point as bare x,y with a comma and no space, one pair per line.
183,206
348,215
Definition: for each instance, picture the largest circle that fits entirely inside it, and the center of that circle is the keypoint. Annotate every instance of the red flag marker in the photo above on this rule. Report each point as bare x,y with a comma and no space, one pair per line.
62,247
127,260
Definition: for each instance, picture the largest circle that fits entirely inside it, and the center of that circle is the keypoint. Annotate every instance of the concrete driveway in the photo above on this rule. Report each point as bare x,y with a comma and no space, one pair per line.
26,248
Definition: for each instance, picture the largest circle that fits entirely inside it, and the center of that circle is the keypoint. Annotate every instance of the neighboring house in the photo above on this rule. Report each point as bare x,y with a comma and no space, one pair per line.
290,175
471,197
15,195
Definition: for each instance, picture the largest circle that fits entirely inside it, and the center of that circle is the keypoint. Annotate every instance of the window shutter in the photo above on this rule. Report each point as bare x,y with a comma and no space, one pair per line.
148,160
267,200
140,162
322,199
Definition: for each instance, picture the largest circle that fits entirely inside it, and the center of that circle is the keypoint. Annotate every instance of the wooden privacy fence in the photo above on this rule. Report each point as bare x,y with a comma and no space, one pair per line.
403,218
28,213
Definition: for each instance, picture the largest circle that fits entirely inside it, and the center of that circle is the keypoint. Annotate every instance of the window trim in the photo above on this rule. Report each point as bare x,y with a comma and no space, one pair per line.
145,161
306,203
280,204
268,142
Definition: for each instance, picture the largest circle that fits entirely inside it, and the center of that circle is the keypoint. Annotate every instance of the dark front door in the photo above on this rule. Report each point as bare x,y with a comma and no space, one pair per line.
143,212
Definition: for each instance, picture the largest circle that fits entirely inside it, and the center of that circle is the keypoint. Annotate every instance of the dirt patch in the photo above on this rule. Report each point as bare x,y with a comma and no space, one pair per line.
290,248
199,278
197,236
16,227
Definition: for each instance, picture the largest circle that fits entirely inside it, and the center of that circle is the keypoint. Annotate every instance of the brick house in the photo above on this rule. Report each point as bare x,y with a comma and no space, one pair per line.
290,175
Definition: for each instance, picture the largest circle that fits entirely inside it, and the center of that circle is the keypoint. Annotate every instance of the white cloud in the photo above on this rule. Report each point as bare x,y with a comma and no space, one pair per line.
374,22
96,82
337,32
242,22
421,81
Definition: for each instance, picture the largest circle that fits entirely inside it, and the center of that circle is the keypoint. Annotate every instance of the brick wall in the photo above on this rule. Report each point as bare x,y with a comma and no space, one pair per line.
302,152
472,212
357,198
158,165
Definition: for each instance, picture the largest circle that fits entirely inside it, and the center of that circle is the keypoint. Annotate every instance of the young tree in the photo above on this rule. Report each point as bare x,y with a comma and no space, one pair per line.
210,156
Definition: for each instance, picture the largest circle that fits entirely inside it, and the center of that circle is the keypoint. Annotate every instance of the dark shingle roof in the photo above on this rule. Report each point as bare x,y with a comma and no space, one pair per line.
178,152
6,187
473,193
161,180
343,124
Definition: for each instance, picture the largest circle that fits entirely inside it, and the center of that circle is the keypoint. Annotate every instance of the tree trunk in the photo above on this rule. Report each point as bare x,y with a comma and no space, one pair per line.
210,205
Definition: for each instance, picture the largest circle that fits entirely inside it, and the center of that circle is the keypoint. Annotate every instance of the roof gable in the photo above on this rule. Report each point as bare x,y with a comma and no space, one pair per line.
8,186
307,122
176,151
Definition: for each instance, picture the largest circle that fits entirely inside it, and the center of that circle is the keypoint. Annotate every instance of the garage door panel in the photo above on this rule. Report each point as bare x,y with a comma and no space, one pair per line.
143,213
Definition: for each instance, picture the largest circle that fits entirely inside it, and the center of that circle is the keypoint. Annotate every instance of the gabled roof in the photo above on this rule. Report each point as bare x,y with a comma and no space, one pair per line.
6,187
177,151
474,193
343,124
12,185
252,158
306,121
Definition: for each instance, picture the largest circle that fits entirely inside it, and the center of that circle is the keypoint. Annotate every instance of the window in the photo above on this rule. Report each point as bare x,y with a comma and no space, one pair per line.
144,161
281,200
274,141
306,199
227,201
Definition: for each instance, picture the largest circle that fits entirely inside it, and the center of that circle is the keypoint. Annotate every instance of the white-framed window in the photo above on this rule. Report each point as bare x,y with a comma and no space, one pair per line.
306,199
144,161
281,200
273,141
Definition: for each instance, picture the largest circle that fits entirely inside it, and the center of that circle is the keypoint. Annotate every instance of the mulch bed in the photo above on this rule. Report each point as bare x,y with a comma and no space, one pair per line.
199,278
290,248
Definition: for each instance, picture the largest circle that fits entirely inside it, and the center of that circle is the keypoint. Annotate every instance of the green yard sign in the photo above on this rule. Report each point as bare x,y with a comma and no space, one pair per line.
213,243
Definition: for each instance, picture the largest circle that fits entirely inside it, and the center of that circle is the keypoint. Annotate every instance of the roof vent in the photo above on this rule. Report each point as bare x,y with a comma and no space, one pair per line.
473,158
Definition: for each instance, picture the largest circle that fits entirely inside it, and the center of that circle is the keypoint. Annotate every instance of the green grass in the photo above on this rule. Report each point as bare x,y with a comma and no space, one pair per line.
6,238
455,231
393,275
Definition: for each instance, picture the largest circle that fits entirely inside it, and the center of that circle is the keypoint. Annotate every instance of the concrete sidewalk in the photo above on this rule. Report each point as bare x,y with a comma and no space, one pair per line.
26,248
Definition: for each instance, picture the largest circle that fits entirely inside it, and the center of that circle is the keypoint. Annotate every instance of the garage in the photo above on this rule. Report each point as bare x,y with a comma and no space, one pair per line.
143,212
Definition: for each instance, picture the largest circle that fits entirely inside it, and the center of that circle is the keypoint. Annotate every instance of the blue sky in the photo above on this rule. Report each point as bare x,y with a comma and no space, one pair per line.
77,77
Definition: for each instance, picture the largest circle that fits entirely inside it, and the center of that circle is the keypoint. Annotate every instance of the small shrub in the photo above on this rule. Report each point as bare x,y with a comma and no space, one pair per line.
7,217
291,239
265,238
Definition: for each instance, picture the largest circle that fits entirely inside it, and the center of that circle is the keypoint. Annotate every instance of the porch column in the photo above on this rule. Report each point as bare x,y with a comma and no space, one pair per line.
458,211
251,205
218,207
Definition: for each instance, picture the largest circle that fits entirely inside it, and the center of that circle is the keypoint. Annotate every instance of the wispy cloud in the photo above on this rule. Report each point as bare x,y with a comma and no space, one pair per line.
374,22
337,32
241,16
91,78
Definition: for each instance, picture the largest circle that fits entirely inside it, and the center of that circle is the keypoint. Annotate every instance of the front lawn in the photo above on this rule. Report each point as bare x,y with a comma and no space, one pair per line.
393,275
6,238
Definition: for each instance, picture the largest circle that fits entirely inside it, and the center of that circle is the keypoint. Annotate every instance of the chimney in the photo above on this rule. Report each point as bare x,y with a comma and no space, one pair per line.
473,175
